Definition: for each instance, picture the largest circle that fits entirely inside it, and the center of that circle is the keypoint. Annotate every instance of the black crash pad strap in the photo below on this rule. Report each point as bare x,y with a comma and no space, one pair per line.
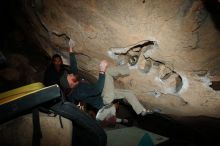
37,134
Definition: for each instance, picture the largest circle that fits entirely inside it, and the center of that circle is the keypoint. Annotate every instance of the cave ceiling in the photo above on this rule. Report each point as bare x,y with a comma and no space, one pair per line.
171,46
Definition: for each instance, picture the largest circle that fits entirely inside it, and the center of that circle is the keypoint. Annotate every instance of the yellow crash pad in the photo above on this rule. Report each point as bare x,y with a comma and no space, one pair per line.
17,93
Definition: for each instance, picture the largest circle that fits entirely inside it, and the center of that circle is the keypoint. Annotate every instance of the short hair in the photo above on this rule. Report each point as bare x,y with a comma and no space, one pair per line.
56,56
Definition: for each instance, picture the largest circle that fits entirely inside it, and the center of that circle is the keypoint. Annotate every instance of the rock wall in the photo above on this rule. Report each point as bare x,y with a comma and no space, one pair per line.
171,75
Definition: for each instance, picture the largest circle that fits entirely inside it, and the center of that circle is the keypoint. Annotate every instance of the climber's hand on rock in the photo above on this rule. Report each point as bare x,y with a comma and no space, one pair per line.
72,44
103,66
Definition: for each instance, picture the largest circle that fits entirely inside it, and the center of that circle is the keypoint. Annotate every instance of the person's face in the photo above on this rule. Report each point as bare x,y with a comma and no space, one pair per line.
72,80
57,62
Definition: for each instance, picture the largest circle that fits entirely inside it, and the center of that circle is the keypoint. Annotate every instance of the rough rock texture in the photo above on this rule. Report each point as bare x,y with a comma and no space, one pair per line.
172,74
